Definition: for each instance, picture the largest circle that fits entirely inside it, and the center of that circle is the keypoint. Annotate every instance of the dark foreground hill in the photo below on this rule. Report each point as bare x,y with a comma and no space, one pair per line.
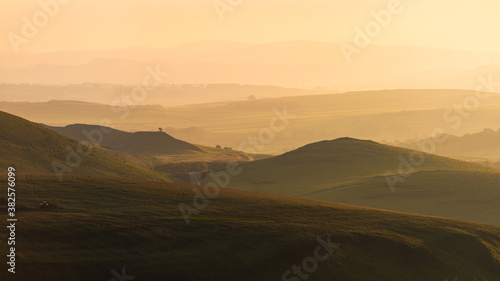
138,142
370,174
110,228
32,148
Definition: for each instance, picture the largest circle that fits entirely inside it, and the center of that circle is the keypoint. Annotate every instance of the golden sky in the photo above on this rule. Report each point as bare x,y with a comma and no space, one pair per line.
116,24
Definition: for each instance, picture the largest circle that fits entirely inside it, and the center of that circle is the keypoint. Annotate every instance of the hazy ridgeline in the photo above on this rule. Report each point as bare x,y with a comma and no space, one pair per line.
385,116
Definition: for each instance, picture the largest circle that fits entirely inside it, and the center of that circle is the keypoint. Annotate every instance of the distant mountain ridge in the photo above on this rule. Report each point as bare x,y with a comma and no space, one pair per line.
485,144
299,64
364,115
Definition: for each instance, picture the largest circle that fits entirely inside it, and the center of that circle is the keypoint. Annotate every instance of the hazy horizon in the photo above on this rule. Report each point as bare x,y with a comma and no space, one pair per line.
97,25
338,45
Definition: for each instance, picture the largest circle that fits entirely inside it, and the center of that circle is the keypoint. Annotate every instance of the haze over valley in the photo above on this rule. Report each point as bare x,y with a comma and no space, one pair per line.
250,140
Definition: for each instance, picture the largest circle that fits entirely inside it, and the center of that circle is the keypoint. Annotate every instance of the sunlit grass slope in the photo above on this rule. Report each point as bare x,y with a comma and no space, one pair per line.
335,161
31,148
354,172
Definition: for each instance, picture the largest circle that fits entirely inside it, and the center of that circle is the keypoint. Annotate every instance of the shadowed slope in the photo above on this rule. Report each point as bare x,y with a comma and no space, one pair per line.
31,148
355,172
335,161
110,224
138,142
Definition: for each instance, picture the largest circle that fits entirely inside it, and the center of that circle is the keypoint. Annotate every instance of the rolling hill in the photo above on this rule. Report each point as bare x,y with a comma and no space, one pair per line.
155,150
32,148
364,115
114,227
138,142
361,172
333,161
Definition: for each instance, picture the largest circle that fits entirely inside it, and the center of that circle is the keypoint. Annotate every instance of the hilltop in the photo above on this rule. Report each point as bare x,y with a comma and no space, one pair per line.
111,224
155,150
361,172
32,148
138,142
337,160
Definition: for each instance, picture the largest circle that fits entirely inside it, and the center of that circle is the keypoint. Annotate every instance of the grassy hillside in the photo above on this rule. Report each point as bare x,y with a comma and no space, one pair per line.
109,224
333,161
31,148
465,195
354,172
138,142
155,150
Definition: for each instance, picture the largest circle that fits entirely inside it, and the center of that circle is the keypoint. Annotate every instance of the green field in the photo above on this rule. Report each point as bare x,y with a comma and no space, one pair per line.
110,223
354,172
32,148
